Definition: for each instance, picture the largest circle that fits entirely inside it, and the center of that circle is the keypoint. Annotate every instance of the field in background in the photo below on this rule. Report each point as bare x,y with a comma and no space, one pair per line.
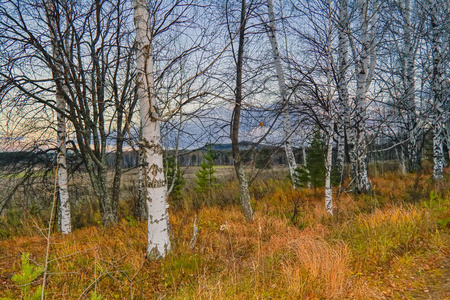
393,243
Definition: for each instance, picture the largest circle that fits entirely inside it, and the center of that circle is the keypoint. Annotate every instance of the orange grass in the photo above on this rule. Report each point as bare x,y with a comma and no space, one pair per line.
374,246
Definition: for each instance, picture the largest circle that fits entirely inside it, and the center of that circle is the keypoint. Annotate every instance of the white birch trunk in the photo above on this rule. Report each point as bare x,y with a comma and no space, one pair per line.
245,194
343,107
64,205
359,167
141,209
401,159
65,225
438,152
340,159
328,164
413,127
329,156
403,163
282,86
155,185
447,136
365,68
439,44
305,165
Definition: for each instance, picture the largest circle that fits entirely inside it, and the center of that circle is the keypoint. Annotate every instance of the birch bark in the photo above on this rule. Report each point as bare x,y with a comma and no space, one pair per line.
365,68
64,204
329,156
328,164
439,45
343,107
284,101
447,135
63,193
140,209
414,130
305,164
157,206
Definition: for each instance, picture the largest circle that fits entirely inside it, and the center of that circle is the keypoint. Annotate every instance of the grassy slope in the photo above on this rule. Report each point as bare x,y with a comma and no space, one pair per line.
391,244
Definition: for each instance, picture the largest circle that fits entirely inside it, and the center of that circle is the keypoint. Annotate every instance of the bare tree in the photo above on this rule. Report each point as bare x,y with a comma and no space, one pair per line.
343,114
235,121
330,92
168,36
155,185
397,73
414,126
91,69
271,31
365,62
52,13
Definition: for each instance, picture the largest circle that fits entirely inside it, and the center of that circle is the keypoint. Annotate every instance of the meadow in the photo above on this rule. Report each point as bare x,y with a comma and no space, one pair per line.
393,243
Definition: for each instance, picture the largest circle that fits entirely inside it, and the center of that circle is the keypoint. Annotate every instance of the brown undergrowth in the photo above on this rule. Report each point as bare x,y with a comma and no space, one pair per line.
383,245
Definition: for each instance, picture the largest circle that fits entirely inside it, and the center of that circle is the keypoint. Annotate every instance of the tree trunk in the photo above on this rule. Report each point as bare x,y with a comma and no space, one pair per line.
415,147
447,136
305,165
108,208
234,130
155,185
63,193
439,46
329,156
284,101
343,121
64,204
115,193
438,151
401,159
245,193
413,127
140,210
365,68
328,164
304,155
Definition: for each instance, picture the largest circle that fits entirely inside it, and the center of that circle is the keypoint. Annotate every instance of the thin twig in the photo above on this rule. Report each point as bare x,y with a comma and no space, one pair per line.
47,251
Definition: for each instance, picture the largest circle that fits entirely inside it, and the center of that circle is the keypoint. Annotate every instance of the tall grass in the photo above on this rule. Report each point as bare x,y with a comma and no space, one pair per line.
371,248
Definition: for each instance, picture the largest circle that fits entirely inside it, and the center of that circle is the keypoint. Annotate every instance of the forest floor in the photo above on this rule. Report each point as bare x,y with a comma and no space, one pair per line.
393,243
437,287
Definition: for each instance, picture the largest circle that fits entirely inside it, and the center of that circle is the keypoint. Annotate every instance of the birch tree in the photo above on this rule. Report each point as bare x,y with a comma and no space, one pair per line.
405,124
319,81
414,126
155,185
52,12
439,45
329,154
365,62
342,83
140,210
271,31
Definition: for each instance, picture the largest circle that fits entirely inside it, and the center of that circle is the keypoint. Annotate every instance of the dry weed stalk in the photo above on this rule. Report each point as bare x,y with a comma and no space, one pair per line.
47,250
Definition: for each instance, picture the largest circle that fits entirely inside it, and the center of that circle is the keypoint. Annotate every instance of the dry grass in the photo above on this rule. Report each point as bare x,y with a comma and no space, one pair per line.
376,246
317,268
